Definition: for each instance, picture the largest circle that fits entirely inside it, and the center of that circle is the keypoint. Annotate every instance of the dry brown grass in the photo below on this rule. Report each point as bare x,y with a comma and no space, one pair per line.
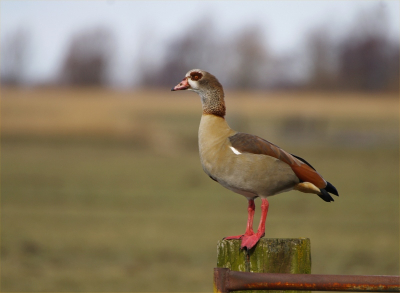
82,111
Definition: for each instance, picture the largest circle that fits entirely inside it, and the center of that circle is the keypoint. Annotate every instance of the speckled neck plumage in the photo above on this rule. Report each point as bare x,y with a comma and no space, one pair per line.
212,98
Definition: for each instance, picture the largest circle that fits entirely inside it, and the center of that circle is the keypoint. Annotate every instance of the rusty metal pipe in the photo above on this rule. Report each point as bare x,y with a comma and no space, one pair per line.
226,280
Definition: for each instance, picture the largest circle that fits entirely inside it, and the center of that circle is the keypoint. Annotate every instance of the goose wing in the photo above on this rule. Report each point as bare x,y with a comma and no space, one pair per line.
247,143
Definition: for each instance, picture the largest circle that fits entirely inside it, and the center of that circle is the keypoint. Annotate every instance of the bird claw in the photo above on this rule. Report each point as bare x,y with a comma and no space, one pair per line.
249,241
233,237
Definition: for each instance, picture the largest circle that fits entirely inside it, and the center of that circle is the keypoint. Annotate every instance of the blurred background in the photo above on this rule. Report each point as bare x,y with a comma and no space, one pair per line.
101,184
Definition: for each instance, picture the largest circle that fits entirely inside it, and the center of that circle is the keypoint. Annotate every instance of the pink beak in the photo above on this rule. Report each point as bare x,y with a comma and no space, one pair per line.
182,86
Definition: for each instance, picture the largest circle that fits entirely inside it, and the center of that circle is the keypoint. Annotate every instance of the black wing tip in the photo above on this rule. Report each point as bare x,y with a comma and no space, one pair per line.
331,189
325,196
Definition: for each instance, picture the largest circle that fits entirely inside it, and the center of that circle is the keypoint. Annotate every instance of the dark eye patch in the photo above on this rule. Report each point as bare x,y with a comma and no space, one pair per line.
195,75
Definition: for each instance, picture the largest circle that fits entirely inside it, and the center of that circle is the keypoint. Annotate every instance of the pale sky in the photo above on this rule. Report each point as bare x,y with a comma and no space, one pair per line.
286,23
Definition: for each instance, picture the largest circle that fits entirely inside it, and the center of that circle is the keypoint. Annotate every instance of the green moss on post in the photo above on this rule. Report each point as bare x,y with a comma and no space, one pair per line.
270,255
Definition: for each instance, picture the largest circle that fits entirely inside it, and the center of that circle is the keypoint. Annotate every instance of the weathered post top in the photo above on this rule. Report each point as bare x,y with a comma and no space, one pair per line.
270,255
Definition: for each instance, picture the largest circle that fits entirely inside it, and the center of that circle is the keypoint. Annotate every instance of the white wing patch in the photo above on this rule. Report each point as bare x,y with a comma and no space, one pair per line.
235,151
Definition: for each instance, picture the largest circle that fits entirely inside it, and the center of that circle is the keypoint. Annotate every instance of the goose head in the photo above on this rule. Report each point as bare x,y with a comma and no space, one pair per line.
209,89
194,80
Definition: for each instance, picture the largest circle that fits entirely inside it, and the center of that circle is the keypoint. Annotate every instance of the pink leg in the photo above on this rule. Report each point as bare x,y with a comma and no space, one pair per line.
249,228
249,241
264,212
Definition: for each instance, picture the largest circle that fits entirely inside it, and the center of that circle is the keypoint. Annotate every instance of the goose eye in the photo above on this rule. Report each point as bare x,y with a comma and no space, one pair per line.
196,76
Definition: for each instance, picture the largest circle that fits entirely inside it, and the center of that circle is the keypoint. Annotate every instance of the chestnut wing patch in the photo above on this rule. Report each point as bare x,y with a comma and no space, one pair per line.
247,143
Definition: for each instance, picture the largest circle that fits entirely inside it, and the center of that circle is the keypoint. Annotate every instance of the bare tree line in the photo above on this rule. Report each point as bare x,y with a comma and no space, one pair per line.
363,59
14,54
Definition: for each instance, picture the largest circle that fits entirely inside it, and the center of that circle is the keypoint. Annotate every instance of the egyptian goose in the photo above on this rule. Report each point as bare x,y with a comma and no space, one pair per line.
245,163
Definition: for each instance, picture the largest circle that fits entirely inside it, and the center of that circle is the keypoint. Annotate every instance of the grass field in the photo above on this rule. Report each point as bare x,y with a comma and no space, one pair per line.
103,190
